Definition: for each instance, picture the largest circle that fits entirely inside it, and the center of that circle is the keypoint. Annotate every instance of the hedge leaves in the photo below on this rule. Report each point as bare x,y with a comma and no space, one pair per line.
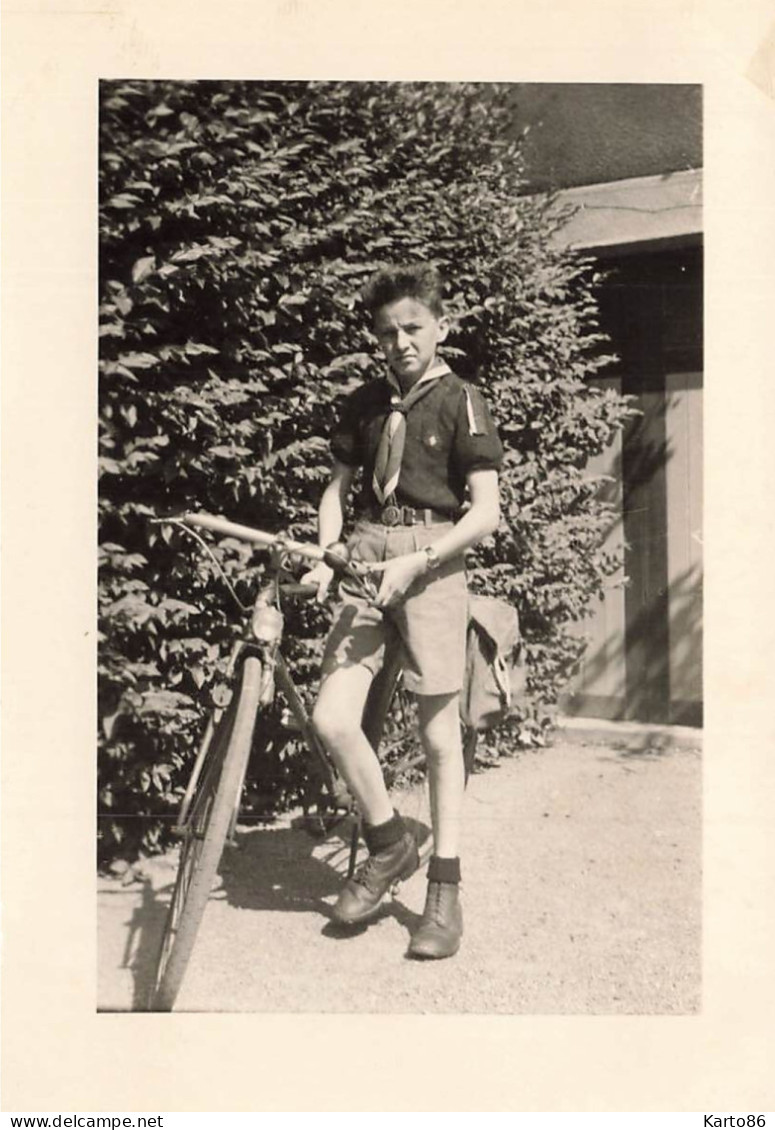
238,222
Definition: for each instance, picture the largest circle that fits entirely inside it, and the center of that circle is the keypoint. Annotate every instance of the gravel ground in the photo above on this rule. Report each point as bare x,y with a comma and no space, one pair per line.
581,894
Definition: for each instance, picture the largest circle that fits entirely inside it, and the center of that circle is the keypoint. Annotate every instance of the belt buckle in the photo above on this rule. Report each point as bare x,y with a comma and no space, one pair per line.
390,516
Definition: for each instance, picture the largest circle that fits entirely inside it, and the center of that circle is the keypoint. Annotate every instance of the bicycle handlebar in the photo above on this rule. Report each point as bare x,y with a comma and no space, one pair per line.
336,556
221,525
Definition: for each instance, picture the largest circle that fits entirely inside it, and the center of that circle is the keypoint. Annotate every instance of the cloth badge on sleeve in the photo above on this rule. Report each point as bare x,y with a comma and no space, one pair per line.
475,427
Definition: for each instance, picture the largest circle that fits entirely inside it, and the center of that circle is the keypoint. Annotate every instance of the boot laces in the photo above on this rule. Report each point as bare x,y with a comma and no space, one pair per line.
365,871
368,873
434,909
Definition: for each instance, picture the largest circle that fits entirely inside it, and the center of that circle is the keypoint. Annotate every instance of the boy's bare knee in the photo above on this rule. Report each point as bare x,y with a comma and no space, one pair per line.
440,728
322,718
334,724
437,753
338,711
433,754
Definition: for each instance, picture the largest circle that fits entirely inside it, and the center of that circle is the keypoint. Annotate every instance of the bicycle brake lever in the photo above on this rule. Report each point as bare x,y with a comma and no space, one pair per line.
338,559
363,578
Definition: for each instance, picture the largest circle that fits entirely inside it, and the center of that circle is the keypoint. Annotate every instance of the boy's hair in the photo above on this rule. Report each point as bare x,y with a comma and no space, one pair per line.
418,280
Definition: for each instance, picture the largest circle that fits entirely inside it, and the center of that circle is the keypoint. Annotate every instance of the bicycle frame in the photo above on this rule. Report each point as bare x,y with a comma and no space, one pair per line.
276,670
211,803
263,636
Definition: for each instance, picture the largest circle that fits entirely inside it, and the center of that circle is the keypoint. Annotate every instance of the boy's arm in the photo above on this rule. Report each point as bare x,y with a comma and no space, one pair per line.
333,502
331,521
480,519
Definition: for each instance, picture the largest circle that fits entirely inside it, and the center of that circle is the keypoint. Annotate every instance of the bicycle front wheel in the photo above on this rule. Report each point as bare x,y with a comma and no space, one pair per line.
204,834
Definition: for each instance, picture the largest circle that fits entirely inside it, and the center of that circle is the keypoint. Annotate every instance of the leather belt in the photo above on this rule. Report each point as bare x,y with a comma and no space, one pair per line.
407,516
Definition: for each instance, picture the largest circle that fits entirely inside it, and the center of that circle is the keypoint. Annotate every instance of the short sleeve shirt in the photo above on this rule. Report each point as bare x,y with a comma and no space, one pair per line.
449,432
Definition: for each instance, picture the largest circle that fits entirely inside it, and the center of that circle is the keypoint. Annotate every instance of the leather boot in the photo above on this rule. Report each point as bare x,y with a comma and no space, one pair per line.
441,925
361,895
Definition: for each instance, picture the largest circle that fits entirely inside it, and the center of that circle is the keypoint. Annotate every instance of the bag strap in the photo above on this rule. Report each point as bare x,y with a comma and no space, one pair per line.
501,673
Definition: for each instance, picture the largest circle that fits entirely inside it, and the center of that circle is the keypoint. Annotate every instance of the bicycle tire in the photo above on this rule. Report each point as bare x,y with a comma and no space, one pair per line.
204,836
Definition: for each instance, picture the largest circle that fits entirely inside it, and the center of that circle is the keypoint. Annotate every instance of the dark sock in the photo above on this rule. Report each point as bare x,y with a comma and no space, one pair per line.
444,870
378,837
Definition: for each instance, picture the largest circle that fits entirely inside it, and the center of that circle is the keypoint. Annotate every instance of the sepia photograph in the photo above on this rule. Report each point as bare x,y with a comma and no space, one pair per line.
400,456
386,424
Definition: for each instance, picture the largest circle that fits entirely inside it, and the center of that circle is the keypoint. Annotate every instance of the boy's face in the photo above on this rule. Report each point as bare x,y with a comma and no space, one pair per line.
408,333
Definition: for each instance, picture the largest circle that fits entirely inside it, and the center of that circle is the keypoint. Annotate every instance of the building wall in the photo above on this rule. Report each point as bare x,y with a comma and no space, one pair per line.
590,133
627,159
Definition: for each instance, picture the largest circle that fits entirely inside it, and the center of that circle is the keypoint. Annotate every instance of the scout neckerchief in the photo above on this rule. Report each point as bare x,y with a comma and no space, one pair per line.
387,466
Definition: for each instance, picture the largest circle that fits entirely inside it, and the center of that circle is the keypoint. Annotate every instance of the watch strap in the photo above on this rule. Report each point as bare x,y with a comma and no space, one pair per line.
433,558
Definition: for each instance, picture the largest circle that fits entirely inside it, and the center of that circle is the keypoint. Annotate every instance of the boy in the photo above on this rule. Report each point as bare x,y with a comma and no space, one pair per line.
423,438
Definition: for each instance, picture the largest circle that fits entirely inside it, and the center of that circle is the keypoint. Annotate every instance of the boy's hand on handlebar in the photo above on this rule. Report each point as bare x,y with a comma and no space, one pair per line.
321,575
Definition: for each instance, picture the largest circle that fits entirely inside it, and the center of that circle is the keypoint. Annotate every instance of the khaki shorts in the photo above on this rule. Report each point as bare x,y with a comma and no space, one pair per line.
430,622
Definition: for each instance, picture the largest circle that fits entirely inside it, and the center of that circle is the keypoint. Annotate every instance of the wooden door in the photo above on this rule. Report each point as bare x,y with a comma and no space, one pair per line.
644,659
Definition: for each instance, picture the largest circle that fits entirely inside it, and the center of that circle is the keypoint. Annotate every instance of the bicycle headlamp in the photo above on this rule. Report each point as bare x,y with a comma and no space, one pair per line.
267,623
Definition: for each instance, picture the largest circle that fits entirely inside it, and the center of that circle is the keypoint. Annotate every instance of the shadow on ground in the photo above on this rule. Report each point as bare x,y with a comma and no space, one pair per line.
280,869
648,747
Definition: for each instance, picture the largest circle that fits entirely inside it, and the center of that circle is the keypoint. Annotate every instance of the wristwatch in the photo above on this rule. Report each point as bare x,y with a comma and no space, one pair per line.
433,558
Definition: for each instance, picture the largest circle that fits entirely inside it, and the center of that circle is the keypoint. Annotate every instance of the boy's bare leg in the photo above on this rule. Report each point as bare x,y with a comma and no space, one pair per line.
392,850
337,719
440,731
440,928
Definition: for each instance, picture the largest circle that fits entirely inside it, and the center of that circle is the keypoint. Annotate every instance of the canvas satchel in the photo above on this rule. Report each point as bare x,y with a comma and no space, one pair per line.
496,674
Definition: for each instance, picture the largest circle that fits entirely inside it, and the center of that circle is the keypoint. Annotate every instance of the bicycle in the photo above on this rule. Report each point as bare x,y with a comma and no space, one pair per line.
210,807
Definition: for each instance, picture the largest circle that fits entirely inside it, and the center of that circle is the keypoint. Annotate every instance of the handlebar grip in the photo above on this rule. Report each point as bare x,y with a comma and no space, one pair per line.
336,557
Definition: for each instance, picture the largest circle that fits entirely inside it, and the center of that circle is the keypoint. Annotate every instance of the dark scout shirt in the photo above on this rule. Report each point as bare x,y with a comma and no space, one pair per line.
439,450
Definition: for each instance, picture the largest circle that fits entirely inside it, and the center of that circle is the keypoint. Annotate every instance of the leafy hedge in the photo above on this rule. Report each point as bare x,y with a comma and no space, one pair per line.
238,222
